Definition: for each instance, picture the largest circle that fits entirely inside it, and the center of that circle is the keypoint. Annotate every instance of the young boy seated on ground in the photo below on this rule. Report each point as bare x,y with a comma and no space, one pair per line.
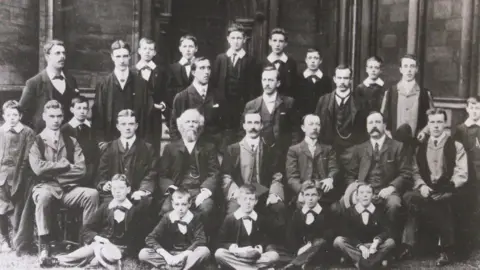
310,231
365,238
178,241
242,237
110,232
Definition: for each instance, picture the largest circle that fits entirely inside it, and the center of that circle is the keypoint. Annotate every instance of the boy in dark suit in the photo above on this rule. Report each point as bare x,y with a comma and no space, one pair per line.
156,79
233,77
311,230
180,76
286,66
178,241
242,237
366,237
113,225
81,129
313,83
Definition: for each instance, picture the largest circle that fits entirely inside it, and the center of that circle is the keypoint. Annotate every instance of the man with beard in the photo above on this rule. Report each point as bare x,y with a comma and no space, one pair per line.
382,163
251,161
51,83
192,164
311,160
201,97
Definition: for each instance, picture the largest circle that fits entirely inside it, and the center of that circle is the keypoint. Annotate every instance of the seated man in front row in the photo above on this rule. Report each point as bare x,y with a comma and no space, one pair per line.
311,160
59,165
193,165
441,168
382,163
252,161
128,155
365,238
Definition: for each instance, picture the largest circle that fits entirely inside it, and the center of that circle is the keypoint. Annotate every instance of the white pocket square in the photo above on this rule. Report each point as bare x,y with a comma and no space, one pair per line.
282,113
215,105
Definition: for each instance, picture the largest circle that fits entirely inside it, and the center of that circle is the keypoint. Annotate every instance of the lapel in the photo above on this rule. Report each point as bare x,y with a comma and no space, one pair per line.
365,160
69,84
48,141
197,152
331,102
47,85
278,102
386,145
305,150
236,153
353,106
318,149
257,103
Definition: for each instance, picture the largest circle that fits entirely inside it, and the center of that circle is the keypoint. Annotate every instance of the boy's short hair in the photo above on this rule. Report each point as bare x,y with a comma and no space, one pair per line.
181,192
126,113
279,31
409,56
49,45
309,184
313,50
79,99
235,27
11,104
374,58
188,37
436,111
121,177
197,60
247,189
145,40
120,44
52,104
364,184
473,100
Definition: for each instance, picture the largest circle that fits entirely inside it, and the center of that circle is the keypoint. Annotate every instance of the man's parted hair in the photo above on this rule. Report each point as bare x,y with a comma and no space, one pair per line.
251,111
198,60
121,177
376,112
310,114
271,68
279,31
126,113
52,104
120,44
11,104
49,45
343,67
199,117
436,111
409,56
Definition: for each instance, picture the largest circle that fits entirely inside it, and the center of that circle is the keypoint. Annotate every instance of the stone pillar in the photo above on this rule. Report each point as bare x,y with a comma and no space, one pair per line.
412,26
465,48
343,33
52,25
163,16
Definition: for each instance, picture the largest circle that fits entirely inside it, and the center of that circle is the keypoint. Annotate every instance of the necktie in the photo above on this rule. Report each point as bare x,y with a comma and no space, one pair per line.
234,58
342,99
312,148
435,142
309,218
182,226
247,223
277,63
377,151
146,68
203,91
12,130
313,78
365,216
127,147
58,77
254,169
81,127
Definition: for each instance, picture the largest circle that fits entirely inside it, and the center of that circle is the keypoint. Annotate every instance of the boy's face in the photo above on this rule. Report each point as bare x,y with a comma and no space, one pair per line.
80,111
53,118
120,190
147,51
127,125
121,58
311,197
180,204
408,69
436,124
364,195
188,49
278,43
236,40
247,202
473,110
313,60
12,117
374,69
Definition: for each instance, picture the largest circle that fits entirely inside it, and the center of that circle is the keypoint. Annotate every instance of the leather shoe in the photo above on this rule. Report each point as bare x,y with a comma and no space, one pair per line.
443,259
405,253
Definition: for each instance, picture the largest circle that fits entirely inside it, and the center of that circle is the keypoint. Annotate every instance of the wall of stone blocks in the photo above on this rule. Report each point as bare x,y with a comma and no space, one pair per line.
18,41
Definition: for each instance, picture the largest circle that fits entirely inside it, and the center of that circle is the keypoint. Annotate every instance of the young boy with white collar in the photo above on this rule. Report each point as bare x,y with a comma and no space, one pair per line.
178,241
366,234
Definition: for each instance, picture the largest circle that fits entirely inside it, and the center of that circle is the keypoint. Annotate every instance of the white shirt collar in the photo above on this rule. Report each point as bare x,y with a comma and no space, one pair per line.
310,142
368,81
240,214
240,54
184,60
130,141
439,139
75,123
307,73
317,209
141,64
409,86
269,99
126,203
201,89
51,74
189,145
18,127
360,208
187,218
342,94
121,74
469,122
51,134
249,141
380,141
273,57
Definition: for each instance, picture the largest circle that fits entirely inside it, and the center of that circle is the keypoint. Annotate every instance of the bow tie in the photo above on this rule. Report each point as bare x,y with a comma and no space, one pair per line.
181,222
313,77
58,77
187,64
146,68
278,61
121,208
12,130
247,218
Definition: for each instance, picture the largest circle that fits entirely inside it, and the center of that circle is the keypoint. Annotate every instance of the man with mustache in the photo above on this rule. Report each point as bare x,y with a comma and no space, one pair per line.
382,163
252,161
311,160
51,83
191,163
200,96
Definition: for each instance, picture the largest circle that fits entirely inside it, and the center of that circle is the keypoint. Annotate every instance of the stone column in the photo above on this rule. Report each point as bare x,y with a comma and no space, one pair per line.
412,26
465,48
343,33
51,25
163,16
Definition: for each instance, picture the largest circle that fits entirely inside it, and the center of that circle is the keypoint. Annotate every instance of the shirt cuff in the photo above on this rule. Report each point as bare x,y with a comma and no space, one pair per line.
206,191
232,247
259,248
171,187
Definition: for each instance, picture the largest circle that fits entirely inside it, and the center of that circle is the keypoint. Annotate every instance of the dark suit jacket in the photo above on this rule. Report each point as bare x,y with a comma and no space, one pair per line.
143,171
397,169
157,85
300,164
38,90
299,233
326,111
359,233
233,231
287,120
268,164
177,80
173,166
288,76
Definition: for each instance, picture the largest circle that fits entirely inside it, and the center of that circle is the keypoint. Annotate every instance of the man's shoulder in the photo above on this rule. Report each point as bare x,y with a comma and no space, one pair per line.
35,79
